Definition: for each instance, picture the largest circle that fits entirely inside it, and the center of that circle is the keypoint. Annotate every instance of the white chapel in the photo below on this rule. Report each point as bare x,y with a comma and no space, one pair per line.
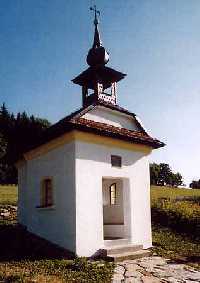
85,185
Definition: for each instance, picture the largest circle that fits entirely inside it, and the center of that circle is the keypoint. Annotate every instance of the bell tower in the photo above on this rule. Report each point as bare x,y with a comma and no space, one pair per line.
98,82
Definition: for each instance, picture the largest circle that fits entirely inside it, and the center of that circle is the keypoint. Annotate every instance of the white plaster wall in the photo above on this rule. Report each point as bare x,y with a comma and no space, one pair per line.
58,223
76,221
141,209
92,164
111,117
127,208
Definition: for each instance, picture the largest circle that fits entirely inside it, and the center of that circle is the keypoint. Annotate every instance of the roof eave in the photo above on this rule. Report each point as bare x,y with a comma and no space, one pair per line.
154,144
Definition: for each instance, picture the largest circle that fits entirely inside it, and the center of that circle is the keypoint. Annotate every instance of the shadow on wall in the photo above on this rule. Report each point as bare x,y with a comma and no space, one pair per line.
103,154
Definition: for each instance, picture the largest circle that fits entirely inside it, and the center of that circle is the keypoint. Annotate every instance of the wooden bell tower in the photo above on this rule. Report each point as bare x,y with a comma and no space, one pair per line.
98,81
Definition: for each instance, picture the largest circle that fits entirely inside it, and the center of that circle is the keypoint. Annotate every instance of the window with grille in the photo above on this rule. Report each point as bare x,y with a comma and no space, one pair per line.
116,161
113,194
46,192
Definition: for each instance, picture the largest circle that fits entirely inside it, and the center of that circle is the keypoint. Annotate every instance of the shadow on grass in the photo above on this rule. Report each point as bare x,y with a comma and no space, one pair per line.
179,257
174,245
18,244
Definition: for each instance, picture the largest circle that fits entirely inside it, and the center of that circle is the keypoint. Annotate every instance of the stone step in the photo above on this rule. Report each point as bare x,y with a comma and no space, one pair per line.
129,255
123,248
118,242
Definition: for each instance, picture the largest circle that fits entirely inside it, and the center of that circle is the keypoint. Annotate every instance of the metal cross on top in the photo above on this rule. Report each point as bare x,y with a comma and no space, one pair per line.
96,12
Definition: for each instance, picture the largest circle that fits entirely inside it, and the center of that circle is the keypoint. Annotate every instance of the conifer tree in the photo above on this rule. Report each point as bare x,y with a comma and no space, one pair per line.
15,135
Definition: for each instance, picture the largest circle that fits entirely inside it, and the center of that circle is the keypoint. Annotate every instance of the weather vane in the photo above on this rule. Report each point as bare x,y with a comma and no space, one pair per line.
96,12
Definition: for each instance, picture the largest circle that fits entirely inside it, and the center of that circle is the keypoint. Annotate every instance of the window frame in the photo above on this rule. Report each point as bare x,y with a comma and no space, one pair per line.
44,191
115,194
117,159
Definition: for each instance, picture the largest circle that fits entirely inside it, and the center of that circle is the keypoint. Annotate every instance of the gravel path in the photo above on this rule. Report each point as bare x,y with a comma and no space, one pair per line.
153,270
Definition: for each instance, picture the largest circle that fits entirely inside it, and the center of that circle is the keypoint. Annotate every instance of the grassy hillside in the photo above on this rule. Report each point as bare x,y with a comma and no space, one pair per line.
176,223
8,194
171,193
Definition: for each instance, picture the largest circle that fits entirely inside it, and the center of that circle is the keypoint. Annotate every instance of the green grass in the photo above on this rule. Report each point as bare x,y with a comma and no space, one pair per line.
176,224
8,194
59,271
171,193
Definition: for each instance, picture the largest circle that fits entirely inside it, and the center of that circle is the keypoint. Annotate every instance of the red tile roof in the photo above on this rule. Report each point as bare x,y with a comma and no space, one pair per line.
75,122
138,137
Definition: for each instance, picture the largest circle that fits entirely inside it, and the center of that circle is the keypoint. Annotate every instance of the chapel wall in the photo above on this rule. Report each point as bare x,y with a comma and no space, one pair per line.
57,223
93,164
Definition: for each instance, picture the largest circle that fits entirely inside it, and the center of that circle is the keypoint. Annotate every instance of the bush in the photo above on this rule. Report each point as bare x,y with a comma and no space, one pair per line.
181,216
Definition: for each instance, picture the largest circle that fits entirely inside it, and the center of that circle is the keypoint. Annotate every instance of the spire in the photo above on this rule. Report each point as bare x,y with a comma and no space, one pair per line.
97,55
97,41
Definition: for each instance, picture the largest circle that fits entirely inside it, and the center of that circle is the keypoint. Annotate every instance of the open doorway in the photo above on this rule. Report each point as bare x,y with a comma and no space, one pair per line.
116,208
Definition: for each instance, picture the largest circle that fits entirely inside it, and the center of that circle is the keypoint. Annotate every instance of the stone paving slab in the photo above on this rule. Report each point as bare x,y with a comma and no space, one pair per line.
154,269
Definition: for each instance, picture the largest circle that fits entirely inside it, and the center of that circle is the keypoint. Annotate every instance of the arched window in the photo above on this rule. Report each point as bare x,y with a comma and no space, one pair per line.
46,192
113,194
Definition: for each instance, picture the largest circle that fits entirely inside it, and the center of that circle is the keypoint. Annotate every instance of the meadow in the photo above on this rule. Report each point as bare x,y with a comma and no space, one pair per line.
158,192
176,224
8,194
175,227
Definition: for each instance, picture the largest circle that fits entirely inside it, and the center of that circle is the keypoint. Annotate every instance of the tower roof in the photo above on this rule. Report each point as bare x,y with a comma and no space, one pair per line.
97,41
97,55
102,74
97,58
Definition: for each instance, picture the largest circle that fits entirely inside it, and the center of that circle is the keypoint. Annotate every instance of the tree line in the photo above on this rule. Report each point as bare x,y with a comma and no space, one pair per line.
162,175
195,184
16,132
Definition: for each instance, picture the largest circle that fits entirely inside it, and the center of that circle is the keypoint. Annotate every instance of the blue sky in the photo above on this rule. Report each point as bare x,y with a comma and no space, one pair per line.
43,45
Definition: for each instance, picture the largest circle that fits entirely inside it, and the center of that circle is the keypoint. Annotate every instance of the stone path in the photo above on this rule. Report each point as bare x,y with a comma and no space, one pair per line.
153,270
